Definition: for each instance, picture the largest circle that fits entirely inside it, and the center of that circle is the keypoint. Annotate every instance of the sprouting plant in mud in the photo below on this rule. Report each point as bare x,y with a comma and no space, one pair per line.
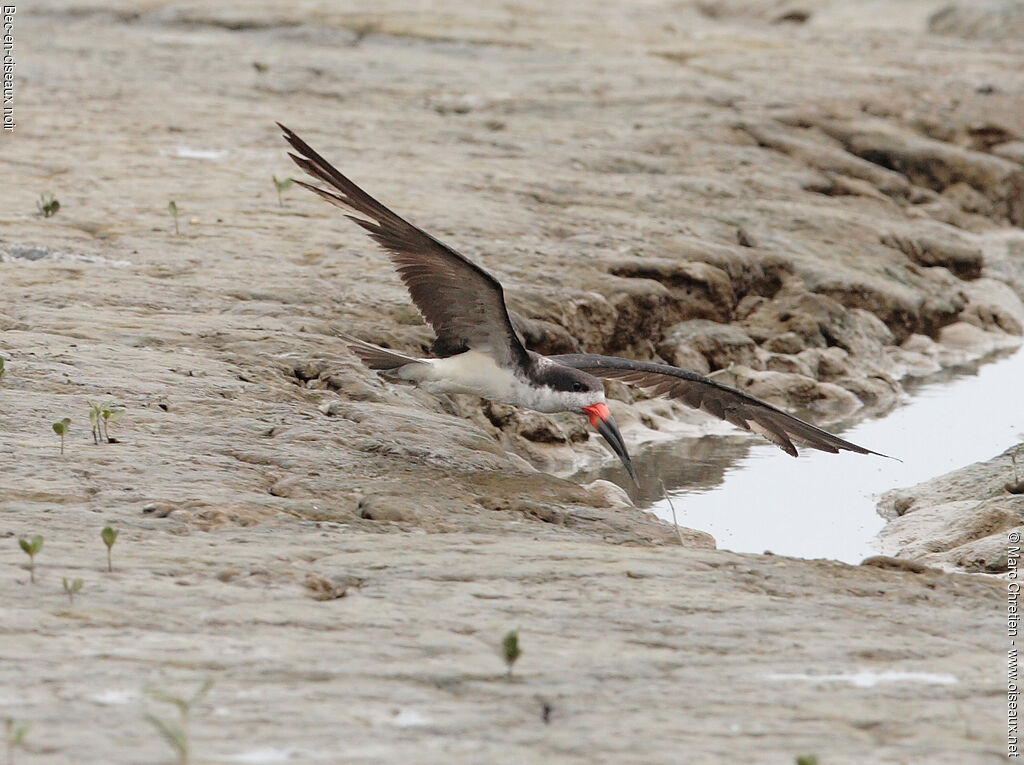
172,208
109,536
807,759
281,185
101,416
1,366
14,737
48,205
1016,486
510,649
176,733
61,429
72,587
31,547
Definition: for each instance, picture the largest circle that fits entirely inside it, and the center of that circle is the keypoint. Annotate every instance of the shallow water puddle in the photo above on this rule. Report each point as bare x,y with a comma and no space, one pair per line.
866,679
751,497
265,754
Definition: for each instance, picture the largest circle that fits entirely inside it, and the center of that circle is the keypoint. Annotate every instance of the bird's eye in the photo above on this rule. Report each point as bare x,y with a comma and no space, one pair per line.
577,386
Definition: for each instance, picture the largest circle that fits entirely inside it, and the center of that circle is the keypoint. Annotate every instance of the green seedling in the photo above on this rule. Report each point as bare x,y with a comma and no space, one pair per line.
72,586
807,759
101,417
260,67
176,733
14,736
61,429
109,536
31,547
1,366
47,205
281,185
172,208
510,649
1016,486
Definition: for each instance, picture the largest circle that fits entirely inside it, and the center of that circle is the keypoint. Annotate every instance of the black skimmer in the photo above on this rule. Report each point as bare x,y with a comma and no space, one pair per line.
478,350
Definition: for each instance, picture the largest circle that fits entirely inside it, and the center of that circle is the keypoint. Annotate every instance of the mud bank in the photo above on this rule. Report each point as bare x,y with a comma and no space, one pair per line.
827,200
963,519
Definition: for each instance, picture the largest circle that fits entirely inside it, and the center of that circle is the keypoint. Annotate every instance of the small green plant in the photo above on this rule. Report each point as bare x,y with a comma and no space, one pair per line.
281,185
109,536
101,416
1016,486
47,205
176,734
510,649
61,429
172,208
1,366
71,587
31,547
14,736
807,759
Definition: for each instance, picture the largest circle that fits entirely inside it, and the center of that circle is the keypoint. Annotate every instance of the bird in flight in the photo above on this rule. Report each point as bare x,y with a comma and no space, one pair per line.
478,351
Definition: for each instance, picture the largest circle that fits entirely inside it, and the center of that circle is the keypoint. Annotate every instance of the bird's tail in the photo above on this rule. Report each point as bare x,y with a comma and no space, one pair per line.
375,357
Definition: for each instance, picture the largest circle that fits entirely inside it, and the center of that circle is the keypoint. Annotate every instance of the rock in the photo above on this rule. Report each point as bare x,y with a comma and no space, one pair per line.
795,320
159,509
720,344
878,393
787,342
980,20
384,507
322,588
826,363
1011,150
535,426
898,564
697,290
545,337
963,260
791,390
780,362
965,335
960,519
993,305
293,486
608,494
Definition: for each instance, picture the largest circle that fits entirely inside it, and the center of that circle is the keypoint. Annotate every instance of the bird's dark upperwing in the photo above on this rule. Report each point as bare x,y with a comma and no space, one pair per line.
463,303
726,403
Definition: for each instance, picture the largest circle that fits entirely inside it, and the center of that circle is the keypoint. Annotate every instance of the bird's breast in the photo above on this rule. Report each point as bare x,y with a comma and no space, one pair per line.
478,373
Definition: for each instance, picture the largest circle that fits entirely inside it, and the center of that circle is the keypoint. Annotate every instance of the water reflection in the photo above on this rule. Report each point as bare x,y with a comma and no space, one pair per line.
752,497
685,464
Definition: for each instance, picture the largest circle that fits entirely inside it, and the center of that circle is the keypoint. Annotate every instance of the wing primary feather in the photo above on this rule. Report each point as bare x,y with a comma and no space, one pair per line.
464,304
734,406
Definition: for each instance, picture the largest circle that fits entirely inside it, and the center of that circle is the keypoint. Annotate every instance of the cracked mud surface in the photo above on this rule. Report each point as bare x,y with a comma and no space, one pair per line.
827,198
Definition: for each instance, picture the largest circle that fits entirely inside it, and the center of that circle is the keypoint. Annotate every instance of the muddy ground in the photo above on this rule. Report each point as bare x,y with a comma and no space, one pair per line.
825,196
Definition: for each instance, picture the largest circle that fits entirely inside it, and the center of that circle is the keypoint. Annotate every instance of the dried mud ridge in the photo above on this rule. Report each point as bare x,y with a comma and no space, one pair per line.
824,197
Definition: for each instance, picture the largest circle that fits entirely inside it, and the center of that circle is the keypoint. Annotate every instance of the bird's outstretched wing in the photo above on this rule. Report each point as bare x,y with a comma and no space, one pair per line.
463,303
741,409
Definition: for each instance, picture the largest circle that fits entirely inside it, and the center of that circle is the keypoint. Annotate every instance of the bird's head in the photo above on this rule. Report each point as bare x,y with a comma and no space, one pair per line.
583,392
